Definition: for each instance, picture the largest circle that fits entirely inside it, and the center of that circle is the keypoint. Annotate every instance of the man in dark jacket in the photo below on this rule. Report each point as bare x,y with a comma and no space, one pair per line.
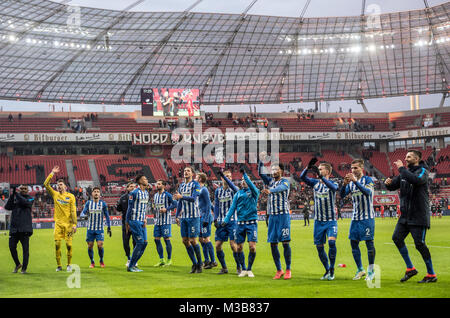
305,212
21,227
122,206
415,207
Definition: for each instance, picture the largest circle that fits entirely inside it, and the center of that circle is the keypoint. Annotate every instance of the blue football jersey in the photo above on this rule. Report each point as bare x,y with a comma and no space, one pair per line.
96,211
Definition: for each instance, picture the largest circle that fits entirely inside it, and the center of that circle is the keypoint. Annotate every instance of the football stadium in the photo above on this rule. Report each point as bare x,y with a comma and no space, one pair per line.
247,149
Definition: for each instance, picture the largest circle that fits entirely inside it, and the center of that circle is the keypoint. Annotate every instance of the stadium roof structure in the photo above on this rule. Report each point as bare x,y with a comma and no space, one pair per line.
53,52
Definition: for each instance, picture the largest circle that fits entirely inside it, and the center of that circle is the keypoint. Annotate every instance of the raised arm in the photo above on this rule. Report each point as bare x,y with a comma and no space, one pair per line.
251,186
47,185
265,178
232,209
50,190
216,205
309,181
230,184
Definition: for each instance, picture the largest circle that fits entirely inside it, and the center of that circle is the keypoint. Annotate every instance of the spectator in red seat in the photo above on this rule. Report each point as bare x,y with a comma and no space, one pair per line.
10,117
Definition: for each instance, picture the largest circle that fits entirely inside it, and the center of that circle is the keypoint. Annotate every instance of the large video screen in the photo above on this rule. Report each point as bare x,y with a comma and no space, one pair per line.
176,102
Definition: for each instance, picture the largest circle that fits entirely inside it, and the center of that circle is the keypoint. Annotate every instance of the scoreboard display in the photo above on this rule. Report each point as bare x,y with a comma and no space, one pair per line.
147,101
170,102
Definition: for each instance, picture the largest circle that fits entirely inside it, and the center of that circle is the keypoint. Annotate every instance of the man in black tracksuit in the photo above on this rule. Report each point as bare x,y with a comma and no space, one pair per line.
21,227
415,207
122,206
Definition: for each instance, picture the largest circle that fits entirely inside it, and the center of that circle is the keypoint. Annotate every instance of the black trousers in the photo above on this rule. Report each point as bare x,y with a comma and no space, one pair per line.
418,233
24,239
126,240
306,219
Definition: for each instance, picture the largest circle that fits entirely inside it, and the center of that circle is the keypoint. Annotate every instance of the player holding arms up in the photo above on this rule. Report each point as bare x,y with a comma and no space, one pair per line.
223,197
163,204
137,220
65,217
204,204
325,224
415,207
279,219
245,205
188,217
95,209
362,227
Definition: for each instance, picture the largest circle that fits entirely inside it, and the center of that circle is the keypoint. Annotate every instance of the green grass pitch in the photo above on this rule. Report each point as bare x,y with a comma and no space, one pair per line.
175,281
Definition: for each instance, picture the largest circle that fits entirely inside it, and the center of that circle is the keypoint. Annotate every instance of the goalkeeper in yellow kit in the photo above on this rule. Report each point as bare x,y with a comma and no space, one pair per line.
65,217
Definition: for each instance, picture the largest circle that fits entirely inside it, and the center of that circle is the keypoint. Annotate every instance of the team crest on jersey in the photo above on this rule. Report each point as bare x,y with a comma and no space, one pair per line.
130,197
67,198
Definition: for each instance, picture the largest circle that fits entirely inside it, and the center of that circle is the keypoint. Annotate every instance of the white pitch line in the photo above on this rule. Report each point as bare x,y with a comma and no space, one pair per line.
427,245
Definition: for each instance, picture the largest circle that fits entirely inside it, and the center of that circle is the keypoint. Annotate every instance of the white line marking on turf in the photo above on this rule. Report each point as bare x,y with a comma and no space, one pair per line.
427,245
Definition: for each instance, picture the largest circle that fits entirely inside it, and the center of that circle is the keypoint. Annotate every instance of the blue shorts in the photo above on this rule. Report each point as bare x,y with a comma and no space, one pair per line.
93,235
205,230
226,232
190,227
324,229
162,230
363,230
138,231
247,230
279,228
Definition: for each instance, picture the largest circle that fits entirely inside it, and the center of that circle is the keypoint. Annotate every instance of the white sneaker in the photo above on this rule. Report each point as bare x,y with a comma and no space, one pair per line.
359,274
59,268
69,268
250,274
243,274
128,263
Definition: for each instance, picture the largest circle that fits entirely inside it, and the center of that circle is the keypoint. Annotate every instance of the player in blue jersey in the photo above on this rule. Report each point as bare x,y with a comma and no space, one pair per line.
136,220
325,224
362,227
163,204
279,219
223,196
204,204
245,206
95,210
188,217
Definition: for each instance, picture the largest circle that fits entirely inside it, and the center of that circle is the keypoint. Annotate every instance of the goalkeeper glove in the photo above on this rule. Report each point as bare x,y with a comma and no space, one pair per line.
109,231
242,170
312,162
315,169
221,173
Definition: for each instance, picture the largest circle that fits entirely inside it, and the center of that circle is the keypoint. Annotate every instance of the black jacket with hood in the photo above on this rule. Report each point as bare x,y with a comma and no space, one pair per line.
414,198
21,216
